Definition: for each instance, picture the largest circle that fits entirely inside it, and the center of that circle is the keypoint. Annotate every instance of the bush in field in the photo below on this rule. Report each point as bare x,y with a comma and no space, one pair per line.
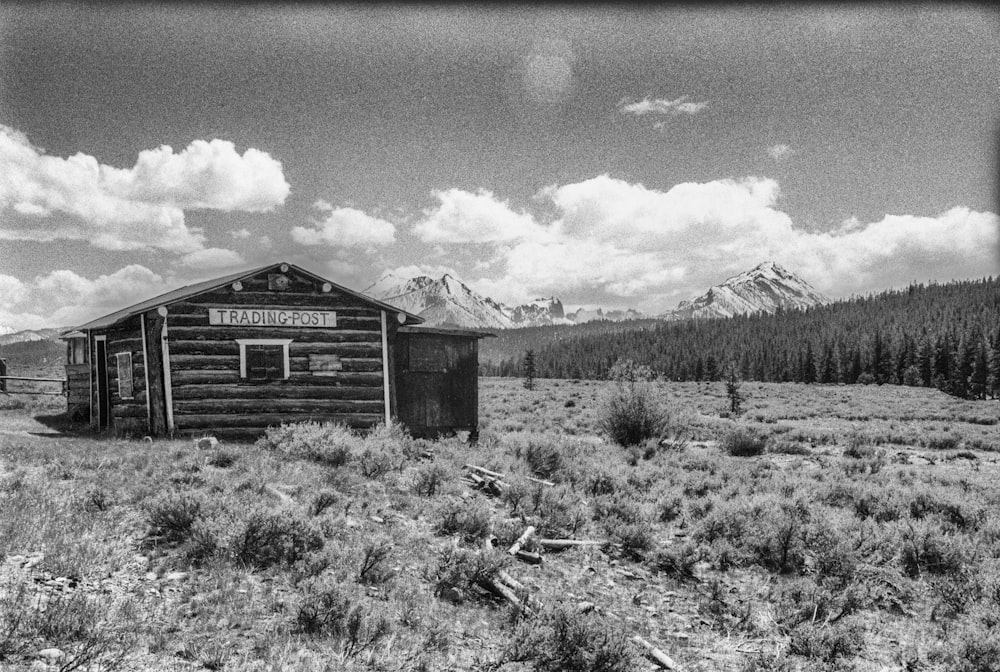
269,538
460,570
172,517
333,610
565,640
741,442
632,413
471,520
329,442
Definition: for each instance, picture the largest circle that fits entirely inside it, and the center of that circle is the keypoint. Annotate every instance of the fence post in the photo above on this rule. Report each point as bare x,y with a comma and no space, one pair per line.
3,372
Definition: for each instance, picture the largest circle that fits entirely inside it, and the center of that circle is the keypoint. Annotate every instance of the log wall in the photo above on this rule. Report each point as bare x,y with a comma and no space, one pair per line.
209,395
128,415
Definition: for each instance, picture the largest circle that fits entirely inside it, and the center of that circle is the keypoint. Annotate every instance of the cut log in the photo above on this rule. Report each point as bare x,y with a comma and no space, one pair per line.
478,480
519,587
530,558
483,470
521,541
660,658
540,480
509,595
563,544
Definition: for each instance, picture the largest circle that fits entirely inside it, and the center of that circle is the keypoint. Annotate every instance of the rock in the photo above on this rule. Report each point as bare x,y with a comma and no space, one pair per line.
451,594
150,576
176,576
51,655
585,607
206,443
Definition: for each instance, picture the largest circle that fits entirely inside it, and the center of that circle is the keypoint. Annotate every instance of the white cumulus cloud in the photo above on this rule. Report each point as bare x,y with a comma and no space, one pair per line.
131,208
345,227
465,217
661,106
613,238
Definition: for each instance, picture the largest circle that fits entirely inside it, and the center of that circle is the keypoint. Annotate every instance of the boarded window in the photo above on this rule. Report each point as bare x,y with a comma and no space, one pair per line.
265,362
428,355
124,375
325,365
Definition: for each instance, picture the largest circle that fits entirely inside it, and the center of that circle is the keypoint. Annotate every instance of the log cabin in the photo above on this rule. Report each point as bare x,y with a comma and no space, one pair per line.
278,344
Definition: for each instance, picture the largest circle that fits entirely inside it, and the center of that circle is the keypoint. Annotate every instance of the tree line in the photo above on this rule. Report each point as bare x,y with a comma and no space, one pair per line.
945,336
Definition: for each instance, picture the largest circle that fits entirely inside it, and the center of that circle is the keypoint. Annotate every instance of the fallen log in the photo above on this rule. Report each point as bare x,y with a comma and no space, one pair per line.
530,558
519,587
478,480
540,480
521,541
660,658
483,470
563,544
509,595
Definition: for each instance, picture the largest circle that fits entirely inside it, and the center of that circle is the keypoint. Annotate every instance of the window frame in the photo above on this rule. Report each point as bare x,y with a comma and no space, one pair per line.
244,342
131,374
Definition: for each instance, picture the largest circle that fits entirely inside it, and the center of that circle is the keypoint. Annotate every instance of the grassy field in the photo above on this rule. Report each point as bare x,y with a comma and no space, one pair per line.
859,532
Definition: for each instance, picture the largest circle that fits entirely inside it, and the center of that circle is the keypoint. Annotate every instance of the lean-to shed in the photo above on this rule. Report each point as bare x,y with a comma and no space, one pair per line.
277,344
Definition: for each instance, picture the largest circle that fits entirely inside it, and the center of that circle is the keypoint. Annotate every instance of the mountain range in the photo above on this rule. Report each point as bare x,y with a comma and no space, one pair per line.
447,301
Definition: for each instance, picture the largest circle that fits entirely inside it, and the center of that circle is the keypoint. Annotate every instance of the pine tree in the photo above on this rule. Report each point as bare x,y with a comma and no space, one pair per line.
529,369
733,391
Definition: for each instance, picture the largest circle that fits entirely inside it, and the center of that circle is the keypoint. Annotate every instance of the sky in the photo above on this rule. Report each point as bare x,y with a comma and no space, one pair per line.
614,157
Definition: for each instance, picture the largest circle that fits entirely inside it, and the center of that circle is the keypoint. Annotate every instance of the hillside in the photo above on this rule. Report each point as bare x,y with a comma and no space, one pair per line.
945,336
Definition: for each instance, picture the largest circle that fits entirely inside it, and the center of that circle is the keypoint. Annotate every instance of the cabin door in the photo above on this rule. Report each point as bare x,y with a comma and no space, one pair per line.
435,384
103,392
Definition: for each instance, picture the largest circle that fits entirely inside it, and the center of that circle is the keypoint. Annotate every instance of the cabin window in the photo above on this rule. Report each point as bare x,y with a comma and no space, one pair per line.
124,374
262,360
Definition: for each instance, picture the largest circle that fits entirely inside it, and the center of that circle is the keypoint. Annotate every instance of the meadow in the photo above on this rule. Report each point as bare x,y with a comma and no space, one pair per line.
824,528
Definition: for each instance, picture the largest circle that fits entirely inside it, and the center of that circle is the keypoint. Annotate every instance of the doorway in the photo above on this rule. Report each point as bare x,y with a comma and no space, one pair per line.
103,393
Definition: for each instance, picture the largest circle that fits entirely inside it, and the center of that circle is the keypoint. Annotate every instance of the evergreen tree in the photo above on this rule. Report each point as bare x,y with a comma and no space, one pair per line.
529,369
733,389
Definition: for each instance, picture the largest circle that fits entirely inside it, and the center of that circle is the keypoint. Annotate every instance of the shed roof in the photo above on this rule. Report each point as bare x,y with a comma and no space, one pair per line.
447,331
189,291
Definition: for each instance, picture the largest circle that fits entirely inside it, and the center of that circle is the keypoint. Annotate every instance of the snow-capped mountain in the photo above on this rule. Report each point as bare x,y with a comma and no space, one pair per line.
762,289
539,312
447,301
442,302
6,338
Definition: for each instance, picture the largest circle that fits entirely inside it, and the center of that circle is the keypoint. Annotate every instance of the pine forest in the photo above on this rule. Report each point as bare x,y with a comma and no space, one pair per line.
945,336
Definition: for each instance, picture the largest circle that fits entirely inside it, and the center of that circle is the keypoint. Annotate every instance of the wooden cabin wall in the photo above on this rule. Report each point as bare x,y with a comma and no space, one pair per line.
437,382
128,416
208,395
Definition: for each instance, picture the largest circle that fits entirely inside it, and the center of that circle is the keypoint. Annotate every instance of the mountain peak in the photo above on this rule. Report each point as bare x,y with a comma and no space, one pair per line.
764,288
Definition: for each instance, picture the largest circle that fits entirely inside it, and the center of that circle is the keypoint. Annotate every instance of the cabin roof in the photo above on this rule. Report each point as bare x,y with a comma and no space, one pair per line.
189,291
445,331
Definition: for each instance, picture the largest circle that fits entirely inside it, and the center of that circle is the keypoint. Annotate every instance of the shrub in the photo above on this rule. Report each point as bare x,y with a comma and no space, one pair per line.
632,414
828,642
677,561
459,570
471,520
543,459
323,500
428,480
330,443
332,610
565,640
270,538
223,458
171,517
741,442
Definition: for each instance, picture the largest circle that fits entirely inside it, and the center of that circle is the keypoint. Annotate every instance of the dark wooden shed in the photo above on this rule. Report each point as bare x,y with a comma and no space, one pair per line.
277,344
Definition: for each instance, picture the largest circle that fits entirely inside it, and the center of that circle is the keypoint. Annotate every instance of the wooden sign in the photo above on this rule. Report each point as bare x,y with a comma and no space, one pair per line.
270,317
325,365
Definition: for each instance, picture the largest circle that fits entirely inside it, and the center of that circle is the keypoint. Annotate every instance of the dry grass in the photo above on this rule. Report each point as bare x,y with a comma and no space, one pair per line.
359,554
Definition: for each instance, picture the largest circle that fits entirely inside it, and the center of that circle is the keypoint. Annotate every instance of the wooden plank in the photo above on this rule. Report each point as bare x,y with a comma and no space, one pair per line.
355,334
284,391
290,299
154,372
226,343
221,376
274,419
245,406
131,344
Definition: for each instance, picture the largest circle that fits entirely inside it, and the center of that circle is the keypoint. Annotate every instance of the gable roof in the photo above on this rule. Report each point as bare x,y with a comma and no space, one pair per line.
190,291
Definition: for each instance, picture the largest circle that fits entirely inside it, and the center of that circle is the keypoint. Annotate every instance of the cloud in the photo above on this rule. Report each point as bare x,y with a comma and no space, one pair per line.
637,245
240,234
661,106
131,208
780,152
345,227
465,217
12,291
66,298
212,257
